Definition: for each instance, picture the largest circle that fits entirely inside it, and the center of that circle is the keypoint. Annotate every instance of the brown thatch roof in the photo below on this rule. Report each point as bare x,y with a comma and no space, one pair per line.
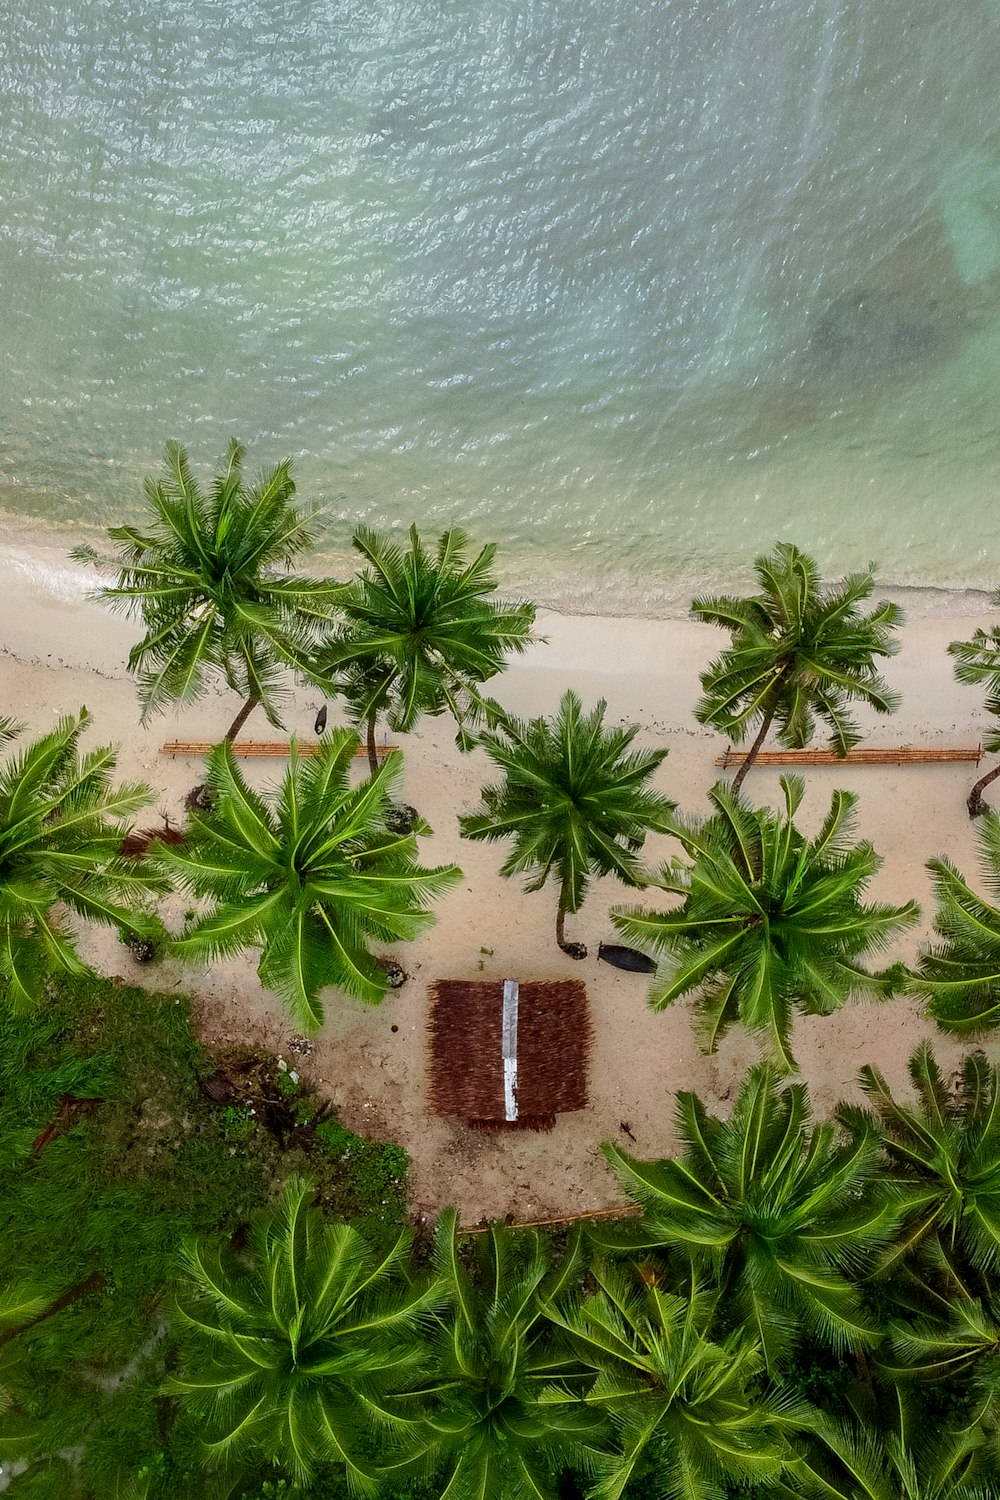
549,1041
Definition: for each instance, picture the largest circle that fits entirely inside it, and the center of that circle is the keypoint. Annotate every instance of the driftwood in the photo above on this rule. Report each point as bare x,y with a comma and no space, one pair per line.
901,755
616,1211
259,749
136,843
553,1046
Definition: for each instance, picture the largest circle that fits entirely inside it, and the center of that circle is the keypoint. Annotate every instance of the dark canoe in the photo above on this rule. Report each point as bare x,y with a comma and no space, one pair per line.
626,958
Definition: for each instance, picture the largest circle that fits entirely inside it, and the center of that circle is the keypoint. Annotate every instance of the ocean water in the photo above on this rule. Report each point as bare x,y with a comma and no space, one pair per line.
631,289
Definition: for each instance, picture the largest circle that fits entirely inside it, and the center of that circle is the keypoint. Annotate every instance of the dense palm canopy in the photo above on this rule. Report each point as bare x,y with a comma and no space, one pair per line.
296,1350
575,799
863,1461
312,875
688,1406
960,974
801,651
977,662
944,1155
782,1214
419,631
504,1422
61,825
770,921
208,577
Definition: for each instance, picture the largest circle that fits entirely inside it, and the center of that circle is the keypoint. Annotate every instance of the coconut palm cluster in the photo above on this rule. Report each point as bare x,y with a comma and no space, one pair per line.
796,1307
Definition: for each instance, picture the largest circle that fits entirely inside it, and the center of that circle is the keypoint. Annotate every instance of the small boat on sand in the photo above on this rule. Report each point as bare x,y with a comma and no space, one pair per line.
626,958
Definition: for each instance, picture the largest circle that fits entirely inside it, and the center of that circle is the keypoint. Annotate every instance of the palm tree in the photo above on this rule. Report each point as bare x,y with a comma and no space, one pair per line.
944,1155
575,801
680,1403
419,633
207,579
313,876
295,1353
801,651
854,1461
61,825
770,920
506,1420
961,973
773,1208
977,662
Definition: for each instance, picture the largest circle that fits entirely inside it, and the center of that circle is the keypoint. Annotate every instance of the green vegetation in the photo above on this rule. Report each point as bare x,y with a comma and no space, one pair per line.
801,651
771,921
209,1286
419,633
575,800
313,877
204,579
960,975
61,827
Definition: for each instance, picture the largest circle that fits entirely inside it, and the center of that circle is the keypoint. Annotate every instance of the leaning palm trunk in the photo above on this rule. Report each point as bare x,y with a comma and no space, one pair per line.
241,718
372,749
974,801
572,950
754,750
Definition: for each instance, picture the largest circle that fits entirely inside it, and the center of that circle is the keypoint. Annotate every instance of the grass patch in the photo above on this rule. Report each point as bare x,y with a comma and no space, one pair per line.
111,1155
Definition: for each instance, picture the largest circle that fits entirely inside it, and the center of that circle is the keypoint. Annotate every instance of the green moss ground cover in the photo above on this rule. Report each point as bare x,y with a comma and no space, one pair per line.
111,1155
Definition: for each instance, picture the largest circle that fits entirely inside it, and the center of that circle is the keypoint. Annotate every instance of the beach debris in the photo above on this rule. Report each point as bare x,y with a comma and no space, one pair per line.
393,971
320,723
620,957
625,1127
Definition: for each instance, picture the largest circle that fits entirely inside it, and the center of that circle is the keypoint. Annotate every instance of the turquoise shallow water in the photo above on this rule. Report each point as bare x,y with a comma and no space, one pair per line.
630,289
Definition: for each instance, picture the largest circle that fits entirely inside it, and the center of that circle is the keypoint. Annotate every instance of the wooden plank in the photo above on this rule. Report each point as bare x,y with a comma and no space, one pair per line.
260,749
901,755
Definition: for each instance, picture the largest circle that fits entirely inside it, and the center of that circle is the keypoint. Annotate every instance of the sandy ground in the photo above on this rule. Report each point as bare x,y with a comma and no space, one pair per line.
59,653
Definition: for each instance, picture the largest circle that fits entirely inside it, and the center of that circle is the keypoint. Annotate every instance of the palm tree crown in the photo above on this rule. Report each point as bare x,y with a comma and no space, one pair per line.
770,920
207,579
313,876
575,800
801,651
945,1159
505,1421
61,825
961,973
773,1207
295,1351
689,1410
420,631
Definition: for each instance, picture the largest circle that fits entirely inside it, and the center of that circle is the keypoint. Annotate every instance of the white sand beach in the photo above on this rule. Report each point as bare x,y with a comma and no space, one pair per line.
59,652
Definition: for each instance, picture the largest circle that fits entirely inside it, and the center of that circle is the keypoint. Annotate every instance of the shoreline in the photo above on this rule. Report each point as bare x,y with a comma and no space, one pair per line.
60,650
37,553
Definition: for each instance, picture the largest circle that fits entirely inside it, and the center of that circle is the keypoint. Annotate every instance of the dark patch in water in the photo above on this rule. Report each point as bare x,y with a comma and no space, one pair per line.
871,332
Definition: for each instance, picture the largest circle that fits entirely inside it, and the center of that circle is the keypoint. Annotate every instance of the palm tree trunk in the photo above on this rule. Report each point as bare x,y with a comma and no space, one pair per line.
241,718
751,754
372,751
572,950
974,801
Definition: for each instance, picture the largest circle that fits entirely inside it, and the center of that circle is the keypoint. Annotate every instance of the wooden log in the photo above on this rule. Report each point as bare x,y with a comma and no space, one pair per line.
618,1211
259,749
900,755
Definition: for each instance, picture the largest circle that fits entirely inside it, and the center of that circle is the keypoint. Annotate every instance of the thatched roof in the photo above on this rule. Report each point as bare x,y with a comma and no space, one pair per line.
508,1054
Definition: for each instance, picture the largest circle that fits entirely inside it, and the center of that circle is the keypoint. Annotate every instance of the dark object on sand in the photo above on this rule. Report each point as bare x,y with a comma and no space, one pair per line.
320,723
620,957
199,799
401,818
626,1127
142,949
393,971
136,843
574,950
